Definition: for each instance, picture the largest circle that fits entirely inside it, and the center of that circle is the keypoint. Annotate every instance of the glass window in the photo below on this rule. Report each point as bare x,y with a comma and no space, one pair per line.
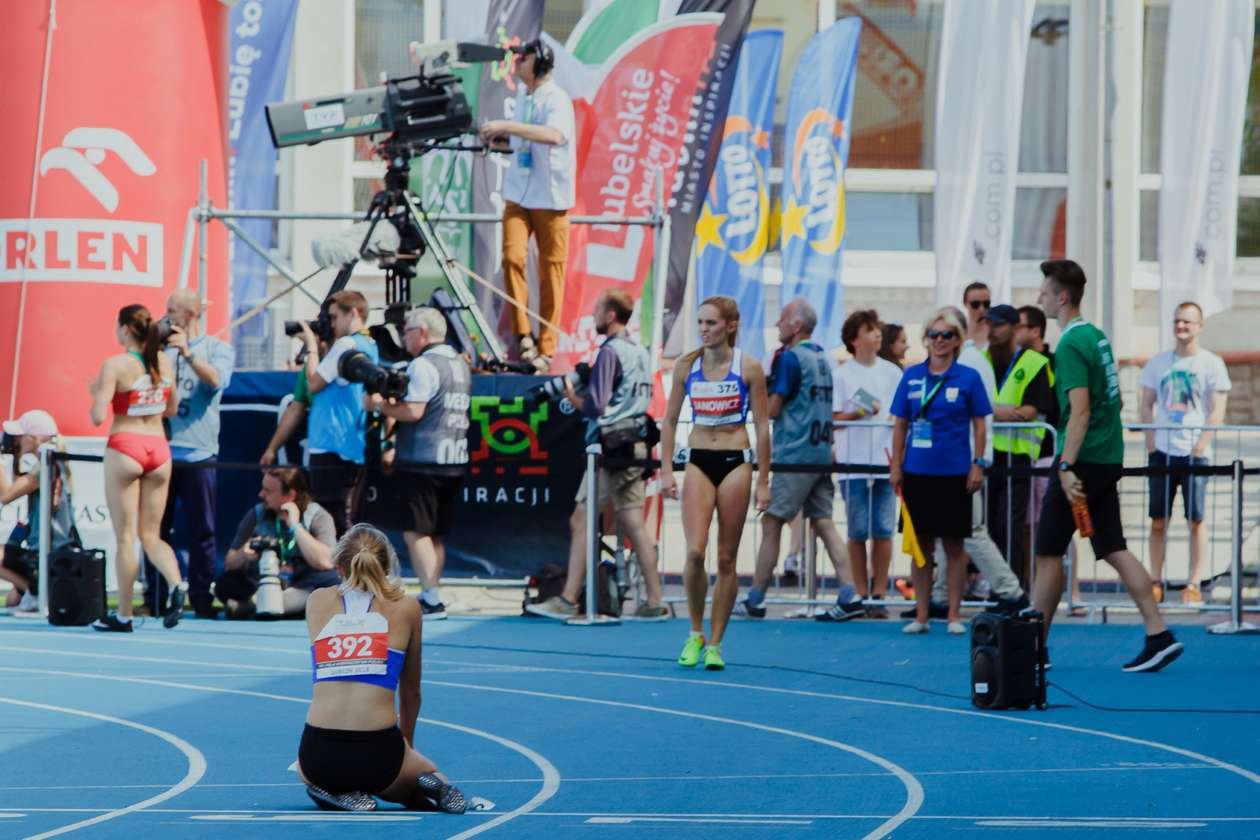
1248,240
1043,133
888,221
1040,227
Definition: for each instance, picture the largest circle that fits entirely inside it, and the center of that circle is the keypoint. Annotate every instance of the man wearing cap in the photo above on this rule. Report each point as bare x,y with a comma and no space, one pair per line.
20,567
1025,394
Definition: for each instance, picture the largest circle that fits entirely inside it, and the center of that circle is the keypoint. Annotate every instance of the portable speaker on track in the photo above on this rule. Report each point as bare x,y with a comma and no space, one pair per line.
76,586
1008,661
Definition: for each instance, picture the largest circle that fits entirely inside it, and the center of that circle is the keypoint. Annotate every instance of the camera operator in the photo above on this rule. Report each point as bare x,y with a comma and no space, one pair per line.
430,430
20,565
615,405
304,534
203,368
538,191
335,440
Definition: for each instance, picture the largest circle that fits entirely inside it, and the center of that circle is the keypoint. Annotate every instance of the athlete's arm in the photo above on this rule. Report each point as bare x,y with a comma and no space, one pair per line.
669,430
409,682
102,390
756,380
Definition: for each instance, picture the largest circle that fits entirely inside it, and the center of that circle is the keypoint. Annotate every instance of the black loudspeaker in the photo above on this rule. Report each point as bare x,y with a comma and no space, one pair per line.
1008,661
76,586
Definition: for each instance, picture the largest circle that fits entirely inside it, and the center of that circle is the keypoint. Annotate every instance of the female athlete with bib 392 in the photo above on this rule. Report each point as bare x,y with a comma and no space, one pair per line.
365,649
137,384
722,384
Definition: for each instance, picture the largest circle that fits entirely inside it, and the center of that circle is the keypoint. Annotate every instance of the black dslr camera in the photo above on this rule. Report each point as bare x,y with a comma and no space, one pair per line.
553,388
321,326
260,544
357,366
9,444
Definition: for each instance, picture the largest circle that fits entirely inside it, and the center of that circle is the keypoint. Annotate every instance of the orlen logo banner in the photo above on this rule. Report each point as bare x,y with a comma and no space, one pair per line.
631,123
133,102
817,137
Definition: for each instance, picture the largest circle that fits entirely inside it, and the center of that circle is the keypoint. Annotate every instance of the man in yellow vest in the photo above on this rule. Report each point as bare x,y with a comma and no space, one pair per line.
1025,394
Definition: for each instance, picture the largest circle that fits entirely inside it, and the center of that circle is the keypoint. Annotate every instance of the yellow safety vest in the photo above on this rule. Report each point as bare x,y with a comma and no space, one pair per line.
1020,441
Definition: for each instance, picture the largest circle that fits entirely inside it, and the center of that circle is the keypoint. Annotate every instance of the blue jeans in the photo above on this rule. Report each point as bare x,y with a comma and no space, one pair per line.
871,508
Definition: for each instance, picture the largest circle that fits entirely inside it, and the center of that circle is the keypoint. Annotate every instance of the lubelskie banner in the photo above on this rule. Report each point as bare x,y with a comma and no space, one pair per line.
733,231
632,117
708,113
817,150
261,39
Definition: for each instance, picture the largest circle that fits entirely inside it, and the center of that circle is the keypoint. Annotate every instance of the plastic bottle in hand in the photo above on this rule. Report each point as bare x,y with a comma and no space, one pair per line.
1080,513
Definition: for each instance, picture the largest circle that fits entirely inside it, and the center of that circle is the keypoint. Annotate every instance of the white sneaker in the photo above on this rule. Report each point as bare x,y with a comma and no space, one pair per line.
915,628
28,607
957,628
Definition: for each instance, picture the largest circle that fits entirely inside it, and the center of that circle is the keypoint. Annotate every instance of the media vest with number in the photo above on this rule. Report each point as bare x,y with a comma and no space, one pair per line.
802,431
1011,392
632,392
440,436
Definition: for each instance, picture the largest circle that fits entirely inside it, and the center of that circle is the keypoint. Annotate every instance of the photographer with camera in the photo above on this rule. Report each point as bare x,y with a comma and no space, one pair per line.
203,368
297,529
615,403
20,564
430,432
337,422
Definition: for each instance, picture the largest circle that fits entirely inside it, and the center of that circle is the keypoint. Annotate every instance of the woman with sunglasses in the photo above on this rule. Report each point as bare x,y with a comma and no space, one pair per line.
939,404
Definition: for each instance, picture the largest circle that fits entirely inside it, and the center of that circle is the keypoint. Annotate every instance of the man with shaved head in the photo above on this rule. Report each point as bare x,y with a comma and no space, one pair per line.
203,366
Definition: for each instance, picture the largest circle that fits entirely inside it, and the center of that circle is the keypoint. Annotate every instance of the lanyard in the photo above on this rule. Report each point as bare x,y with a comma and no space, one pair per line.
927,401
287,544
1010,367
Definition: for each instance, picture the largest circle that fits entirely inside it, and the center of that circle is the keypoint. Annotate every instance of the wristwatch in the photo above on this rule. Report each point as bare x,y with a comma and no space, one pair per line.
982,463
1064,466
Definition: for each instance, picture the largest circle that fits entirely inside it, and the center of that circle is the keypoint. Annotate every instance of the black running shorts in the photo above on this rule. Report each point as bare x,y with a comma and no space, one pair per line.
345,760
1056,526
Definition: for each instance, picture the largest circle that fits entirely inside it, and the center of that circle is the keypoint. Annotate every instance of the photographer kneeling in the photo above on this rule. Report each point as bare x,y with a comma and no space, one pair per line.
301,533
615,405
430,431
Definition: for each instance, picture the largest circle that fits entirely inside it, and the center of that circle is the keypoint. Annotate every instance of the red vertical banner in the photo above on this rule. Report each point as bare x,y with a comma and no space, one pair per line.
132,103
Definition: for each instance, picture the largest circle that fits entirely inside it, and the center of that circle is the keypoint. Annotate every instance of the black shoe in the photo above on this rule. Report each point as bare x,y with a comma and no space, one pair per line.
176,610
747,609
111,624
440,795
1013,606
354,801
432,612
1158,651
241,610
205,609
842,612
935,610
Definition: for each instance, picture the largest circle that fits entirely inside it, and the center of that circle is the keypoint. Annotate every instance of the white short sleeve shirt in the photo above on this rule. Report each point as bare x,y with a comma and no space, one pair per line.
541,176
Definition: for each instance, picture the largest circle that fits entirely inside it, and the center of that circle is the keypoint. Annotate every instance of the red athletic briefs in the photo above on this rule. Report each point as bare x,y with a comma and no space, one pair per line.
149,451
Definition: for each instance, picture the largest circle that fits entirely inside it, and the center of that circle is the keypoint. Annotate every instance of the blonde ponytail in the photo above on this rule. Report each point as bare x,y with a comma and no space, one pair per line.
367,562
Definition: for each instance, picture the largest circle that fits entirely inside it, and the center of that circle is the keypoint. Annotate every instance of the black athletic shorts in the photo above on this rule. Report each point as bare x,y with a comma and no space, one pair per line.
1056,526
430,501
344,760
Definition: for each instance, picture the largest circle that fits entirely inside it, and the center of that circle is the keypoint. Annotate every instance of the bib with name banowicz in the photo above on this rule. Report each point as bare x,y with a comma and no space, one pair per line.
351,646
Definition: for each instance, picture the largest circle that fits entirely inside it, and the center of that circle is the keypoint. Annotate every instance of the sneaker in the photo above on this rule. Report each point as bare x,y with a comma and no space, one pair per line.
176,610
876,611
528,349
1191,594
1157,590
713,658
353,801
915,628
433,612
690,656
979,590
1008,606
1158,651
791,570
27,607
205,609
904,587
443,796
747,609
935,610
554,607
647,612
957,628
111,624
842,612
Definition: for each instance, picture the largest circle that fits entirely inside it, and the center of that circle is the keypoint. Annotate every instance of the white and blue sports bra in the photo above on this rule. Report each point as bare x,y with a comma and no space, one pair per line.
720,403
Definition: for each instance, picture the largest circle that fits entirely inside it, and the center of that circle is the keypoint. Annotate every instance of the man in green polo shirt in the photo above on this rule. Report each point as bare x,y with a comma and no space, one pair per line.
1089,464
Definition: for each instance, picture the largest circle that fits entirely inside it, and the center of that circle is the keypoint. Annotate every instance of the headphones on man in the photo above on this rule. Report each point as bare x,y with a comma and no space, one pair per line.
544,58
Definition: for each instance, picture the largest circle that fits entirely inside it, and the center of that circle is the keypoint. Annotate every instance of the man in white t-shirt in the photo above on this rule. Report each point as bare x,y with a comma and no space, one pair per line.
538,191
1187,387
862,390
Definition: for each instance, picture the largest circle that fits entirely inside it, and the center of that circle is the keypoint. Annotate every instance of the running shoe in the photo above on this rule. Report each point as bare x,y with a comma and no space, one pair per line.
647,612
441,795
915,628
957,628
554,607
111,624
176,610
747,609
876,611
1011,606
690,656
433,612
842,612
27,607
713,658
1158,651
353,801
1191,594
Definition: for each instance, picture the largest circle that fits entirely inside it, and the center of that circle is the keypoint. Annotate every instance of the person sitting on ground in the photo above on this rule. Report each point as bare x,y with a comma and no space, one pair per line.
365,649
306,535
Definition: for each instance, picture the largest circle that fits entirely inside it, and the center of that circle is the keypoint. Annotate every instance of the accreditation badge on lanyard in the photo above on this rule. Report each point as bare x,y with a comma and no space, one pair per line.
352,645
525,157
921,428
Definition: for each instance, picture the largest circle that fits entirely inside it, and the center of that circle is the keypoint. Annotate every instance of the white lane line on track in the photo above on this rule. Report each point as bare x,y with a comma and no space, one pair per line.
196,765
694,820
550,776
914,790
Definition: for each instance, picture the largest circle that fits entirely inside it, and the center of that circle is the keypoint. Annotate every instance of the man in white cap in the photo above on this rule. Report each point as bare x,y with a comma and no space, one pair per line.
19,566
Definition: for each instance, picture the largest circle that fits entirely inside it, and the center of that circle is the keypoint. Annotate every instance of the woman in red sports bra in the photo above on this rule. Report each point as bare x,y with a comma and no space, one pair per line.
365,650
137,383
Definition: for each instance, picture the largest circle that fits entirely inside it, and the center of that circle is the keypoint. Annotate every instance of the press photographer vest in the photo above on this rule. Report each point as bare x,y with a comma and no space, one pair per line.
1023,369
440,436
632,390
802,431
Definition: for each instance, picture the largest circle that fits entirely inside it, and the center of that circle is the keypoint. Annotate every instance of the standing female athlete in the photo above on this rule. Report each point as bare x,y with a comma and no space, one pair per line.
721,382
137,383
365,648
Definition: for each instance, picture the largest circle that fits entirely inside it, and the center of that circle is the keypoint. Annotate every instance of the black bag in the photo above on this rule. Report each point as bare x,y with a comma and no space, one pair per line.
76,586
547,582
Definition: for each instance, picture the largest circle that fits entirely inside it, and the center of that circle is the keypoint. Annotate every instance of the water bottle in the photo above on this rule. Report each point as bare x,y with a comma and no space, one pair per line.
1080,514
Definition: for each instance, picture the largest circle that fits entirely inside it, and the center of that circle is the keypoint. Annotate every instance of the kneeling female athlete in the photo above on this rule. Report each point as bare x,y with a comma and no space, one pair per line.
365,647
721,382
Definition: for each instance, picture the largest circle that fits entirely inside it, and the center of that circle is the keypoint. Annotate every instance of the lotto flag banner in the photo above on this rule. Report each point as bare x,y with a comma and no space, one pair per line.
977,143
262,36
1205,99
632,116
93,212
733,231
816,153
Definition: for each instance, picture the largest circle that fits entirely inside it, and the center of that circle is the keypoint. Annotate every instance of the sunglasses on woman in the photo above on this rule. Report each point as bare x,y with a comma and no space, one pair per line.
948,335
